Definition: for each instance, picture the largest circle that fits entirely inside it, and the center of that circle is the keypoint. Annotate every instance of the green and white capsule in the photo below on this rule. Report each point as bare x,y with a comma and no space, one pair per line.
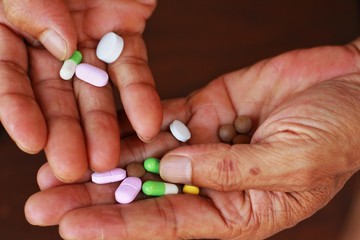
68,69
155,188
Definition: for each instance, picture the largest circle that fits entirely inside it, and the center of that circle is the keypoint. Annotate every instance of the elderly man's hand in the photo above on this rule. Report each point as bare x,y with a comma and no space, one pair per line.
305,145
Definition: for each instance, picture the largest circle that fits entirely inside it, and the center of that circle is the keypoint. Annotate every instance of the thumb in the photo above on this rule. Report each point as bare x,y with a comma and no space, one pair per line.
47,21
266,166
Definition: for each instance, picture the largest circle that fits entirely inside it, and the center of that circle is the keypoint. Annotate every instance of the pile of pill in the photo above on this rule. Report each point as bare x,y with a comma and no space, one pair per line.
236,133
108,50
143,178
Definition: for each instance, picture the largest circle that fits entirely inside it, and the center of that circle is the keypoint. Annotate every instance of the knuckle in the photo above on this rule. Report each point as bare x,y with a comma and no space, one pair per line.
228,174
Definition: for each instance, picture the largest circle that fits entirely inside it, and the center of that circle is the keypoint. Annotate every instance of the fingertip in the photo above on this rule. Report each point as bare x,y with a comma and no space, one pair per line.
143,107
34,212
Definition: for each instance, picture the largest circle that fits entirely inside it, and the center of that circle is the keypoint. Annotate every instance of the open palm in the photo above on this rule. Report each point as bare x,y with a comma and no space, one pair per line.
77,122
306,108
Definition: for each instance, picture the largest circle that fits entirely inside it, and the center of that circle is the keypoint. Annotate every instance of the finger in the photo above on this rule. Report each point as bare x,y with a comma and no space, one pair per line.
50,23
133,149
19,111
40,210
172,108
170,217
265,166
46,178
98,118
132,76
65,148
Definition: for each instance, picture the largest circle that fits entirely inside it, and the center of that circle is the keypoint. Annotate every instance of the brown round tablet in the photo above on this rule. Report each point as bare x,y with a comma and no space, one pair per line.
243,124
241,139
227,132
135,169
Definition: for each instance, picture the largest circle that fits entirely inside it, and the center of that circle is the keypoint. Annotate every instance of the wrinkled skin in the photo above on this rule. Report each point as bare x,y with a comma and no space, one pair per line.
306,109
41,111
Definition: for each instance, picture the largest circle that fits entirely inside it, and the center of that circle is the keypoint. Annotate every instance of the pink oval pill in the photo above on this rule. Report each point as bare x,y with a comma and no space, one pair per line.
115,175
92,75
128,190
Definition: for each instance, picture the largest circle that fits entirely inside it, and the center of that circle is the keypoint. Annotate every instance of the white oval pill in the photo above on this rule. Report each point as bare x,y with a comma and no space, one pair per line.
128,190
92,75
115,175
110,47
180,131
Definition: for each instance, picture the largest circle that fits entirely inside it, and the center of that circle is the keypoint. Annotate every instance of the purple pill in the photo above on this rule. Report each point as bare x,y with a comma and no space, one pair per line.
128,190
92,75
115,175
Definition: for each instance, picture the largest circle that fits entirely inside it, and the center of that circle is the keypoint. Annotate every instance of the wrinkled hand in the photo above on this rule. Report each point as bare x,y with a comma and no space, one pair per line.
306,107
75,122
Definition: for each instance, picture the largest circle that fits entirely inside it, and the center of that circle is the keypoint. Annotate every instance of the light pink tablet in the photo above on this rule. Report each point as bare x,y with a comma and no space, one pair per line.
128,190
115,175
92,75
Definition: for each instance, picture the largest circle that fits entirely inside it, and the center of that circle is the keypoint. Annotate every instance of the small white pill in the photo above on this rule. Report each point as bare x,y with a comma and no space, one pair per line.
115,175
110,47
180,131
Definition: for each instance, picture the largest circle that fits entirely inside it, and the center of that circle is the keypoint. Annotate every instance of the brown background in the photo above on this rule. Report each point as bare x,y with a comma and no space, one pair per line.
189,44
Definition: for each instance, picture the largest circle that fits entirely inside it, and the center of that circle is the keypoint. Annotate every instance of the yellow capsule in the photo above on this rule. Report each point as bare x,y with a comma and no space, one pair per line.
191,189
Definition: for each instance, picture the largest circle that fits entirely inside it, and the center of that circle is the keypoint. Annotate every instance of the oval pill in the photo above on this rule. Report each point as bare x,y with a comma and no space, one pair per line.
180,131
128,190
152,165
155,188
68,69
189,189
115,175
110,47
92,75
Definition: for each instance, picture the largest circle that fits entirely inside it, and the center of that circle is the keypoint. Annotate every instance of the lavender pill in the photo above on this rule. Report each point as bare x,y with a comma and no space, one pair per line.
92,75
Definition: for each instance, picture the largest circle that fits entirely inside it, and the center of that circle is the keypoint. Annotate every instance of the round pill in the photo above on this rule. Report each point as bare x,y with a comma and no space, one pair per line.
152,165
135,169
227,132
180,131
110,47
189,189
154,188
243,124
241,139
128,190
92,75
115,175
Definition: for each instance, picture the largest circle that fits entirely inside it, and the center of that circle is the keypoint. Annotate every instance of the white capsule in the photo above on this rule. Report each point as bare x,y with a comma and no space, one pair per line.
110,47
180,131
68,69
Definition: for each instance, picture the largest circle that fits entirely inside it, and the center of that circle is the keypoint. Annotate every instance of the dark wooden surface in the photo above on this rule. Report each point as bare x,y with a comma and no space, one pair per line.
189,44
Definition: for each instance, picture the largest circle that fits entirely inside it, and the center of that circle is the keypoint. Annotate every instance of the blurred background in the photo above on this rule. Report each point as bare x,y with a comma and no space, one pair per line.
189,44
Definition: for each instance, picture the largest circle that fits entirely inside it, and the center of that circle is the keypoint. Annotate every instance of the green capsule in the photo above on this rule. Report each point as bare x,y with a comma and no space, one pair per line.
76,57
155,188
152,165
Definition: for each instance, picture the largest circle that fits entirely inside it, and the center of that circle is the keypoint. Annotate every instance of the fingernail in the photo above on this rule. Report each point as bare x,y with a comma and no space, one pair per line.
176,169
54,43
